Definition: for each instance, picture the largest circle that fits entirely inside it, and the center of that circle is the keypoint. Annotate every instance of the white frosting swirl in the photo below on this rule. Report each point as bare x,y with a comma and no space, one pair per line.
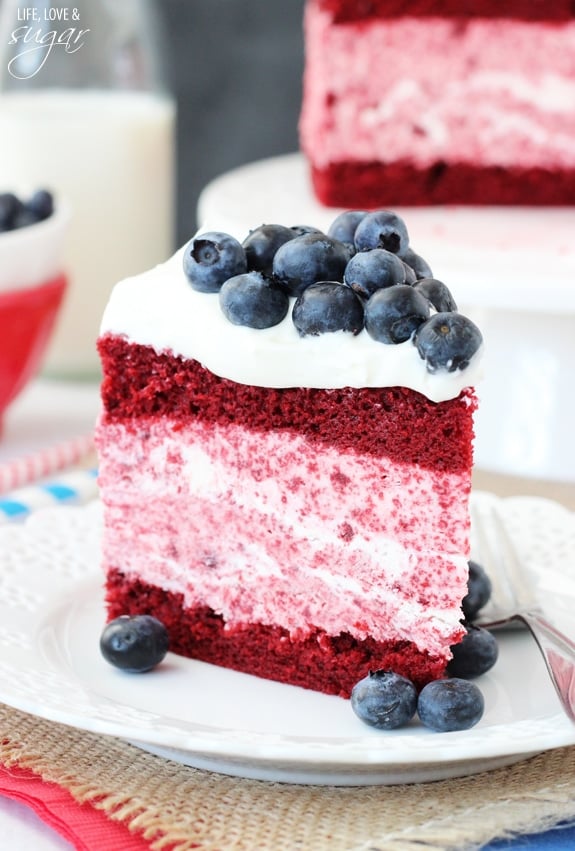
160,309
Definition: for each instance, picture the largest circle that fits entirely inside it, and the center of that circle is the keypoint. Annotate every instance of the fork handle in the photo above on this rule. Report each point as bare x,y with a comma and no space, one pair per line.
558,652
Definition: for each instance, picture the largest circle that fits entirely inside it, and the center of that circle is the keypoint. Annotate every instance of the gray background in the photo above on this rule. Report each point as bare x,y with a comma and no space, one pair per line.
235,67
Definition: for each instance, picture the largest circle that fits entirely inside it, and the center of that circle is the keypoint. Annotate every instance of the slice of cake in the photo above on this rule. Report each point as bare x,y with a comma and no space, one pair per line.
425,103
285,464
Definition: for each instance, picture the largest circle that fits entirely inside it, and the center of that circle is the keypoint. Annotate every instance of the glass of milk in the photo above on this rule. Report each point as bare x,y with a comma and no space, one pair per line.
85,112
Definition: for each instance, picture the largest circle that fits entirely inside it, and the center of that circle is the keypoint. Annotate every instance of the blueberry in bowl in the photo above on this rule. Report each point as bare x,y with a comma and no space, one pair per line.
17,212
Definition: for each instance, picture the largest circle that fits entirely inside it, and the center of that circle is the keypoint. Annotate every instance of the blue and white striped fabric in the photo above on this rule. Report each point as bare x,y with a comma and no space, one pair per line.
73,488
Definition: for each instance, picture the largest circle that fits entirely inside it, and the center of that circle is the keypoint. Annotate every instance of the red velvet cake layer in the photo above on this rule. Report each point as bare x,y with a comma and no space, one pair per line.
374,184
331,664
139,382
528,10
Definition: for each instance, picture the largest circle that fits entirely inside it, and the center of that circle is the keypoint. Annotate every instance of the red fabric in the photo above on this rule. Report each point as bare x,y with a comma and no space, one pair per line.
84,827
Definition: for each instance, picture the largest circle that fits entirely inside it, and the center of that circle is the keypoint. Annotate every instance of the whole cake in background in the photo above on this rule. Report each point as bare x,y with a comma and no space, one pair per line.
422,103
285,453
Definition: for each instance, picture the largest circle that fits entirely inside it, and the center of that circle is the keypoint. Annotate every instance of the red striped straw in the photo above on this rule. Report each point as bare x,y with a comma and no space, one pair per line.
37,465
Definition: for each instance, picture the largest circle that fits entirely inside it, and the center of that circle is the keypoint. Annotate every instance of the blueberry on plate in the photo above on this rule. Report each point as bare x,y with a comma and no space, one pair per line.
437,293
382,229
368,271
384,700
261,244
309,259
253,300
211,258
475,654
134,643
421,267
450,704
393,314
447,341
343,226
478,590
327,306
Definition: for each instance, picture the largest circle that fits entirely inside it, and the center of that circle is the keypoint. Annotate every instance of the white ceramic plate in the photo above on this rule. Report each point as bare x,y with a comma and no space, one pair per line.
52,613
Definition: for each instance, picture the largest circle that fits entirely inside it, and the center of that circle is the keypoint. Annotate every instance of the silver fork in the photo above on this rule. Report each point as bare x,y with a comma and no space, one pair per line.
513,599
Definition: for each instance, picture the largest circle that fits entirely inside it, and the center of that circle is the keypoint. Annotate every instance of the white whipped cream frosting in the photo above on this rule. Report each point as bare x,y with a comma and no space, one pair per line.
160,309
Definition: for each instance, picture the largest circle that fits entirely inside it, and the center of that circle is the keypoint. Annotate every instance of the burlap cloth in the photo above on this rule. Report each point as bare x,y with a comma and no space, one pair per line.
178,807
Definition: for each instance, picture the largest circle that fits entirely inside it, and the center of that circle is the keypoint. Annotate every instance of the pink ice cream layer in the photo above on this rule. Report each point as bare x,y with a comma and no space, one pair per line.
266,528
488,92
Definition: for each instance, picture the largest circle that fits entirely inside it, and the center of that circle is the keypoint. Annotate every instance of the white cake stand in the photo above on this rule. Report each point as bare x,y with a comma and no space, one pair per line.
512,270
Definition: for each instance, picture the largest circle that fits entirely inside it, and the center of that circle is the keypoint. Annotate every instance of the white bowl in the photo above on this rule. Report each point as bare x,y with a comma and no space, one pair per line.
33,284
33,254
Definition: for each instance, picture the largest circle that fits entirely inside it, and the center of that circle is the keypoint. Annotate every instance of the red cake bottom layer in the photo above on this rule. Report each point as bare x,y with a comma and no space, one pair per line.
375,184
331,664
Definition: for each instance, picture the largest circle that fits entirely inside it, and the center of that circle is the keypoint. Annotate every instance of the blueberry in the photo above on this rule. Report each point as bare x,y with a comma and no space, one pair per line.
475,654
393,314
24,218
211,258
343,226
327,306
301,230
134,643
478,590
253,300
261,244
410,276
308,259
382,229
41,204
10,206
420,267
437,293
450,704
447,341
384,700
369,271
